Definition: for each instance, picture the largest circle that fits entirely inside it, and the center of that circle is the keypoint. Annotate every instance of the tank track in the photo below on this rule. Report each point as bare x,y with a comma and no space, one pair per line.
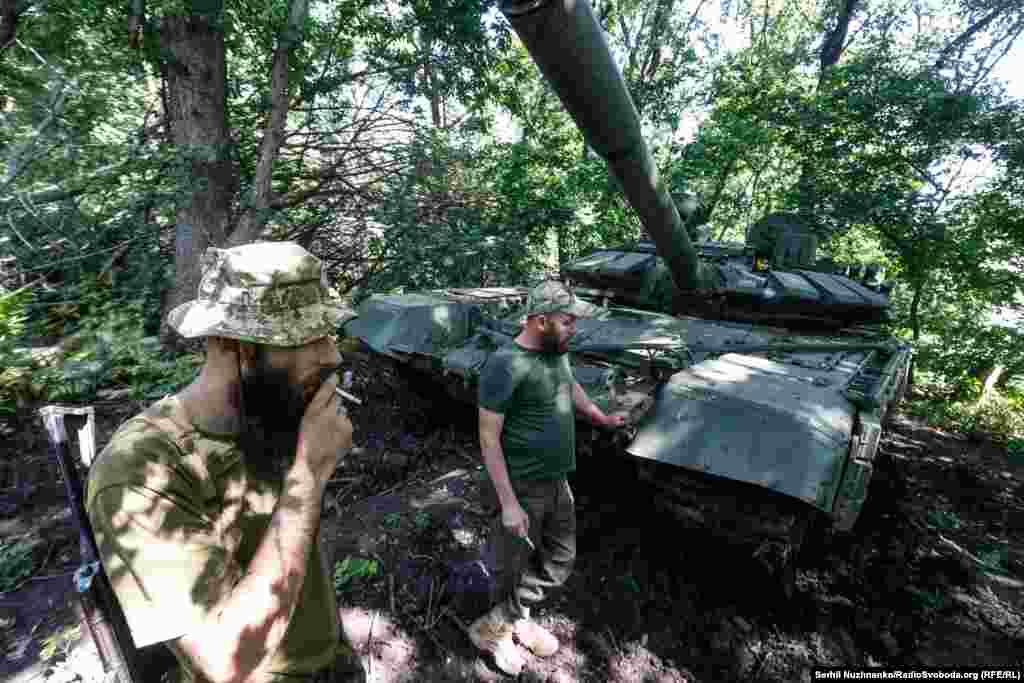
765,526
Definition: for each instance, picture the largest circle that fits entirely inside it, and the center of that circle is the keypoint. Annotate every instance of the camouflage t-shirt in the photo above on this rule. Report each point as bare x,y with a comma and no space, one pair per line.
177,514
533,390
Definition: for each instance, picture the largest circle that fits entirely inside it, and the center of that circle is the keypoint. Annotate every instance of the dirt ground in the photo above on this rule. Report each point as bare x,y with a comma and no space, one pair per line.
931,576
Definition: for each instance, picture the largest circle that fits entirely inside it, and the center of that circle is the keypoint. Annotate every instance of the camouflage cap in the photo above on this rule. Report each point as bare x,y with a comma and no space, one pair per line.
266,293
554,297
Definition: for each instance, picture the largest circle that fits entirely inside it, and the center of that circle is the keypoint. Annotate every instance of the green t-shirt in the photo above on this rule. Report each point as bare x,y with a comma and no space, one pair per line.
174,511
533,390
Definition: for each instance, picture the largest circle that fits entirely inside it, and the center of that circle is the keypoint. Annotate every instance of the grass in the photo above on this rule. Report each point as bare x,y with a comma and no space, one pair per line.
929,600
392,521
944,519
16,564
995,557
352,570
1015,451
60,642
422,520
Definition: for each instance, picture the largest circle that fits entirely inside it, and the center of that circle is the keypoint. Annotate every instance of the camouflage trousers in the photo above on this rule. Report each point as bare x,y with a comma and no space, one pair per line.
526,575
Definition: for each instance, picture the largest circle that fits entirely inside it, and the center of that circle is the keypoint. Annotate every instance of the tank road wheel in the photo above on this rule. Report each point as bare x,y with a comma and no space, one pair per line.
780,556
761,525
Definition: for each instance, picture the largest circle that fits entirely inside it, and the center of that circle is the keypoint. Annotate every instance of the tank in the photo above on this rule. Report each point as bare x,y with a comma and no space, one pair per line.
754,377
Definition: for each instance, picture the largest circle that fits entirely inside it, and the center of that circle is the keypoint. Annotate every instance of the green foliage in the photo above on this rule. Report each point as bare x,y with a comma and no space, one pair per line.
630,583
60,642
392,521
929,600
13,316
1015,450
995,557
859,244
493,229
351,571
422,521
1001,417
110,347
394,118
16,563
944,519
14,365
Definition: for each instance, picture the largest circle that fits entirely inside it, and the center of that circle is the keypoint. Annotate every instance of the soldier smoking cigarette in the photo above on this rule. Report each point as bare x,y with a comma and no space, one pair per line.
324,374
344,394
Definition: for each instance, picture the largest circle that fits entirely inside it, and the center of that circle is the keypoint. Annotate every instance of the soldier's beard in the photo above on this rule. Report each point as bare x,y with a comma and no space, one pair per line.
551,341
273,409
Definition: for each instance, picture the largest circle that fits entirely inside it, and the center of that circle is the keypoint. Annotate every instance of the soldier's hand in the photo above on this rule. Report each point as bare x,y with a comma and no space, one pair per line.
325,432
515,520
613,421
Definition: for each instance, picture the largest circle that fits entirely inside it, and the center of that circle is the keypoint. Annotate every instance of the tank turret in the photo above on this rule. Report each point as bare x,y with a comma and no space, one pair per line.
782,241
775,277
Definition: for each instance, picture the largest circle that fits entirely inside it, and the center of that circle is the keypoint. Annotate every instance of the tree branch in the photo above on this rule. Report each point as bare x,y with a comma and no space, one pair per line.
8,23
255,216
961,41
835,40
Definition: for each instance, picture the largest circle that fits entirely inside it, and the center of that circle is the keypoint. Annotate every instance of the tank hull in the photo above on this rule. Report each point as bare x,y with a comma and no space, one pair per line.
797,416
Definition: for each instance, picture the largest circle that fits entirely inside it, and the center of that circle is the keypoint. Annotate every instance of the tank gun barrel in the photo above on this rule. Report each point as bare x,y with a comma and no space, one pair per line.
566,42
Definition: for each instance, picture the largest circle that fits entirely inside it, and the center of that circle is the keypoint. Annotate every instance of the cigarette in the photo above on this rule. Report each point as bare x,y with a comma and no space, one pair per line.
344,394
526,539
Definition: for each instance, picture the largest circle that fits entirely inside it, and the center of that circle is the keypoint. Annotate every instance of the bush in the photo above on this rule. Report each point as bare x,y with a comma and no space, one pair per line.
1015,450
115,351
15,563
352,571
15,367
109,348
13,316
1001,417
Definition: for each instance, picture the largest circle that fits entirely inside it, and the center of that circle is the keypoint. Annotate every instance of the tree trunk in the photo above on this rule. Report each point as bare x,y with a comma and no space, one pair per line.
196,74
430,82
833,44
915,308
8,21
254,219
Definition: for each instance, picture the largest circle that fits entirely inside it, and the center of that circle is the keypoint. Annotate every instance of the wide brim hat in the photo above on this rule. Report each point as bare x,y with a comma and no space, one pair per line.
272,293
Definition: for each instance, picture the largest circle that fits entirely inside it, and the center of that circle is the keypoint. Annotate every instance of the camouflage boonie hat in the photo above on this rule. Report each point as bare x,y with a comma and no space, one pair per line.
266,293
554,297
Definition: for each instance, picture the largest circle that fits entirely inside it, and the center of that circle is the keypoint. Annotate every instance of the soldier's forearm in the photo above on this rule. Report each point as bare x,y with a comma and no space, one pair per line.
494,460
586,407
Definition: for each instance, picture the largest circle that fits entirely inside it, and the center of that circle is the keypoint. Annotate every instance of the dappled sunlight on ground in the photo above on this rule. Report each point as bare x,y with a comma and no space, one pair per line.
642,605
386,651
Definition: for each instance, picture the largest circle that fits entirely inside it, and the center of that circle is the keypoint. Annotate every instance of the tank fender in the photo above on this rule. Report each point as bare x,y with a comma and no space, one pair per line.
853,489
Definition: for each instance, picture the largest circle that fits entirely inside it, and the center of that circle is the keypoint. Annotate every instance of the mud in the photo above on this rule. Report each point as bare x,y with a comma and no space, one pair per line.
931,575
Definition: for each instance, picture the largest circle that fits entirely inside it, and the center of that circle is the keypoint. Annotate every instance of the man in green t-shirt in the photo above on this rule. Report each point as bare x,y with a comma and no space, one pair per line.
528,400
206,506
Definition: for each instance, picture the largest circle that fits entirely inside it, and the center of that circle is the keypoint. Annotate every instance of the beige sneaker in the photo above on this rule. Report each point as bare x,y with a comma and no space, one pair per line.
535,638
492,633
